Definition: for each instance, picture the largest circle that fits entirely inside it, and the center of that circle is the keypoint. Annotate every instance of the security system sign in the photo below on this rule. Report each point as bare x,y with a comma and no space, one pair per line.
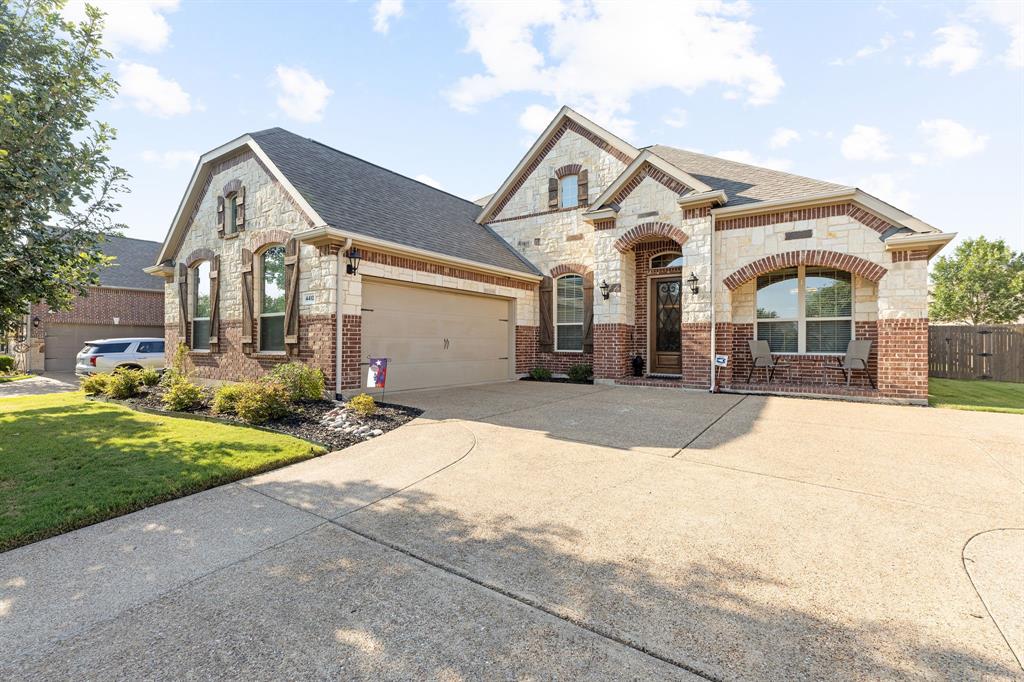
721,361
377,374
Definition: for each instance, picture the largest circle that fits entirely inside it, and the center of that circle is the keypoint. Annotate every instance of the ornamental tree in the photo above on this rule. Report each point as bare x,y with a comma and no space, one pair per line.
57,184
981,283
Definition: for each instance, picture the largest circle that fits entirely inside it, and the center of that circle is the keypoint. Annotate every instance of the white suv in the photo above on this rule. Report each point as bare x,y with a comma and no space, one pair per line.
106,355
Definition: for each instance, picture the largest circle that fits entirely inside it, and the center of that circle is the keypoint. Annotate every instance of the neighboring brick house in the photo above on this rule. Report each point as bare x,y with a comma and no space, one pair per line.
127,302
592,251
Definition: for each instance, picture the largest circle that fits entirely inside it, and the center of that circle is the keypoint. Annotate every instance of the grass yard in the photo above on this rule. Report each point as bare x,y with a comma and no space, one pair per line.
968,394
14,377
66,462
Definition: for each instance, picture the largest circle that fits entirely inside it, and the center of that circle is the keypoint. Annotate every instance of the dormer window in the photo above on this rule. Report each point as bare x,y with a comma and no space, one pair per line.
568,191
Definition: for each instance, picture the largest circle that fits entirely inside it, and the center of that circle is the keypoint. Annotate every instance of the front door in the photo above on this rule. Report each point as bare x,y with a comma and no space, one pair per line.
666,316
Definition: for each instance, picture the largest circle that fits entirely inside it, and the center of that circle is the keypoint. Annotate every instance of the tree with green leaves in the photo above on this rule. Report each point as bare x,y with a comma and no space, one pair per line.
981,283
57,184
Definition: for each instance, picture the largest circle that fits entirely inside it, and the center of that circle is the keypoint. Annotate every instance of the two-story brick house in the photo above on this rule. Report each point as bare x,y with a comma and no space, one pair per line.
592,251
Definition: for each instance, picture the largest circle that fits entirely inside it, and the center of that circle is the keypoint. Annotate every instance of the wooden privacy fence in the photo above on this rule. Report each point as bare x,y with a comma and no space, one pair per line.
984,352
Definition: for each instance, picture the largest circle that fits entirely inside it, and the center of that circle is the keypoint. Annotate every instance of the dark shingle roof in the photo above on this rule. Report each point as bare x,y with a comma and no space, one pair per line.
357,196
131,255
743,183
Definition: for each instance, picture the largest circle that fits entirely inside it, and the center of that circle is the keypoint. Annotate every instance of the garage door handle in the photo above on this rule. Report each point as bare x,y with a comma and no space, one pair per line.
446,344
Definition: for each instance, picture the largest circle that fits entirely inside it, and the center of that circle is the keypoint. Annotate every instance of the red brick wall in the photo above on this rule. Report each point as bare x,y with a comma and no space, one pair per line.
611,350
528,356
903,358
351,350
103,304
696,338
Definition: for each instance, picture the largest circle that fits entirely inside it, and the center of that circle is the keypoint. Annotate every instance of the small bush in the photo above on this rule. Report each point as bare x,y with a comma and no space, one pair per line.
363,404
95,384
540,374
302,382
580,372
225,400
182,395
123,384
261,401
149,377
6,364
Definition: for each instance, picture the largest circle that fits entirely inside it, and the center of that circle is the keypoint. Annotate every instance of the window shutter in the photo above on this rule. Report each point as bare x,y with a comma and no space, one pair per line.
291,296
581,183
214,302
183,302
546,340
240,209
220,216
552,192
247,307
588,312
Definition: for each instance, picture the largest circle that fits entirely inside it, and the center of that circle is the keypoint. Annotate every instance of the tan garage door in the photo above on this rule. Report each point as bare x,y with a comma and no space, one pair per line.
63,341
434,337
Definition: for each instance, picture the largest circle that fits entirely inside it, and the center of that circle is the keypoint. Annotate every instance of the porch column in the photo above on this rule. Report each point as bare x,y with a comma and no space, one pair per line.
613,319
903,328
695,324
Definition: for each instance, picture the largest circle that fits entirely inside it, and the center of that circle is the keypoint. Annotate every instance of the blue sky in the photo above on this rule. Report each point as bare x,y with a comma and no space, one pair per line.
918,103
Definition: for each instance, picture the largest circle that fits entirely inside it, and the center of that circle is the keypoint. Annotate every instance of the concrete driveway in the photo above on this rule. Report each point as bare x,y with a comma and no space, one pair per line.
39,385
529,530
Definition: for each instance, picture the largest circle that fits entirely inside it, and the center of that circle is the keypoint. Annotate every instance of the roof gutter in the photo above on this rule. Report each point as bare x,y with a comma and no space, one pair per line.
761,206
717,196
933,241
323,235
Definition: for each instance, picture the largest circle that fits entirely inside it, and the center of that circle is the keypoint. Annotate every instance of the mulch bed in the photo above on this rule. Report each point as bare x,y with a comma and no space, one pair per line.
556,380
315,421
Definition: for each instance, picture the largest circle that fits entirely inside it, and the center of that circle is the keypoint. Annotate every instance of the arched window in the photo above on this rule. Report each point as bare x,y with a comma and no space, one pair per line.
805,310
271,299
201,305
569,191
669,259
569,313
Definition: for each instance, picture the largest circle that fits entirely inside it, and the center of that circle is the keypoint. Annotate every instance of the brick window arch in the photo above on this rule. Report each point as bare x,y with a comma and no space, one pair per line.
566,268
568,169
198,255
813,257
646,231
264,238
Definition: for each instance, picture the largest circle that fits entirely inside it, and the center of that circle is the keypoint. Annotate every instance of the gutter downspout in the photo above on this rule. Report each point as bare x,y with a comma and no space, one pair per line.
713,388
338,326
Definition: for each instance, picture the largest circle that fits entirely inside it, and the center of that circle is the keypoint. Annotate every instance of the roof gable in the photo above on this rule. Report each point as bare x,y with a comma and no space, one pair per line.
647,165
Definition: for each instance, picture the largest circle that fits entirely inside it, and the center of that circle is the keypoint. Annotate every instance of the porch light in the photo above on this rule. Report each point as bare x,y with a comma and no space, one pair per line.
605,289
692,281
353,260
35,322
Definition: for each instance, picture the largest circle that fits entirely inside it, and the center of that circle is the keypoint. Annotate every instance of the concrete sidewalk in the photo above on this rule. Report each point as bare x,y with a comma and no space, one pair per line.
531,530
39,385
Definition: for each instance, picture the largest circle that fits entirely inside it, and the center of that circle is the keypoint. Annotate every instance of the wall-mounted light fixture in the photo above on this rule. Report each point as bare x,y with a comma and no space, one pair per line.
605,289
692,281
35,322
353,260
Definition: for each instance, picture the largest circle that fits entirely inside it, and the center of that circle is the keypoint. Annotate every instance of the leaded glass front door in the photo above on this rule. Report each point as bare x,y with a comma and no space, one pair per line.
666,315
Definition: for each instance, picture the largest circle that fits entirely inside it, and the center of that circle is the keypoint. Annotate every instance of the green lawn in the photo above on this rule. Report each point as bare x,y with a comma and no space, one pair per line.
14,377
969,394
66,462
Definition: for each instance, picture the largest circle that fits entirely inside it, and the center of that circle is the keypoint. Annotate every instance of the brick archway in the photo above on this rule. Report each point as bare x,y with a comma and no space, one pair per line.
198,255
569,169
645,231
257,240
830,259
567,268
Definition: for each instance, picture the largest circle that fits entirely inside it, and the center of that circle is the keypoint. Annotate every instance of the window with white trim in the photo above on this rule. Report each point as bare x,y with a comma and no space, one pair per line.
569,191
669,259
271,299
201,305
569,313
806,309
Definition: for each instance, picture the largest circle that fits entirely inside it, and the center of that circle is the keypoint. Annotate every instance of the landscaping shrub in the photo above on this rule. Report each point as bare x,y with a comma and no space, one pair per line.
302,382
149,377
226,398
540,374
363,404
182,395
261,401
123,384
580,372
95,384
6,364
177,369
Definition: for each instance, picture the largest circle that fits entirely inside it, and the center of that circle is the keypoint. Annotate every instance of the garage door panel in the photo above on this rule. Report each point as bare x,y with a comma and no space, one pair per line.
64,341
410,325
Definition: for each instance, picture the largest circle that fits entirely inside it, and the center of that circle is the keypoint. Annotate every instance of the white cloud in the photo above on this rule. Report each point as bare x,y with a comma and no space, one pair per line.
884,43
782,137
745,156
172,158
1010,16
384,11
950,139
151,93
959,48
427,180
866,143
918,159
535,118
677,118
137,24
300,95
562,50
889,188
